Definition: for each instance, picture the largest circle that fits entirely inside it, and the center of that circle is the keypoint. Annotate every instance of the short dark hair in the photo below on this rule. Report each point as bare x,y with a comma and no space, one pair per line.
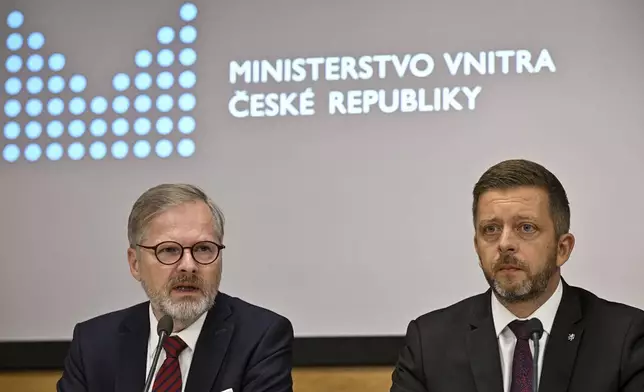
515,173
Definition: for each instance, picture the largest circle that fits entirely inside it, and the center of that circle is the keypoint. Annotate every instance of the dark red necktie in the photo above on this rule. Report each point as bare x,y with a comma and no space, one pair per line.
168,378
522,362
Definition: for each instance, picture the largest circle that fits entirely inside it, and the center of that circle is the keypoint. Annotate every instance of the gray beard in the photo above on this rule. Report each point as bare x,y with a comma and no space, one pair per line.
185,311
529,289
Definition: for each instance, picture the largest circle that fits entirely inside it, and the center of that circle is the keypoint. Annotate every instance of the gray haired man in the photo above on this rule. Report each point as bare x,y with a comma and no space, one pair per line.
219,343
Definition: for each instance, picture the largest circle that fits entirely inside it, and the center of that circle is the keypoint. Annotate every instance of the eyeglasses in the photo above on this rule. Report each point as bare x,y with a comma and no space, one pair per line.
170,252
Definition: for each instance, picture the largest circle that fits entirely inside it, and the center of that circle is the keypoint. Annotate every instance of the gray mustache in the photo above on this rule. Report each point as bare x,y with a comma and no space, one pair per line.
193,280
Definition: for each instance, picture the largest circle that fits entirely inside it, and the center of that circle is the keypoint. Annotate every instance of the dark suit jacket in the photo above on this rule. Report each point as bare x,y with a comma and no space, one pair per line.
456,350
241,346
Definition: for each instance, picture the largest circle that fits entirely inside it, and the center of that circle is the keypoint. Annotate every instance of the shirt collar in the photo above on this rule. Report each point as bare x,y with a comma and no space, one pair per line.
189,335
546,313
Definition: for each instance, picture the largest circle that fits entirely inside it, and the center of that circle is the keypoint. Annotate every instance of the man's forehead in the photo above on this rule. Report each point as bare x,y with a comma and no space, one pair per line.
183,217
522,216
524,194
513,203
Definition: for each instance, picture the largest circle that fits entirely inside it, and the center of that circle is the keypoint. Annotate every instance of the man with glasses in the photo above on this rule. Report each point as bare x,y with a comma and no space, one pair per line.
218,343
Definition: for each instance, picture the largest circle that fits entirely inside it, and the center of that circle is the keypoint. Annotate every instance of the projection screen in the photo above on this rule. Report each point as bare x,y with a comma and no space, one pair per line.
342,140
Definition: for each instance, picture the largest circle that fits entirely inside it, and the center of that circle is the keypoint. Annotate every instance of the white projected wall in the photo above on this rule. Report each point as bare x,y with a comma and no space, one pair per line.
341,139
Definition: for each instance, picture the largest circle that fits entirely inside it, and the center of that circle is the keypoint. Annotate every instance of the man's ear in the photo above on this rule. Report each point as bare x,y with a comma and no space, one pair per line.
564,248
135,265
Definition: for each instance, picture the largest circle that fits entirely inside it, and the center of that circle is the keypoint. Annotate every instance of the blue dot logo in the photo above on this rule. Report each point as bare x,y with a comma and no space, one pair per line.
142,103
163,148
142,149
33,130
121,82
34,85
120,127
35,63
119,149
13,63
77,106
98,127
56,62
14,41
33,152
186,148
12,86
11,130
77,83
165,58
54,151
36,41
76,151
33,107
165,80
143,81
164,125
188,34
155,83
15,19
187,57
164,103
55,129
165,35
143,58
56,84
98,105
187,79
121,104
97,150
12,108
11,153
186,125
76,128
142,126
187,102
188,12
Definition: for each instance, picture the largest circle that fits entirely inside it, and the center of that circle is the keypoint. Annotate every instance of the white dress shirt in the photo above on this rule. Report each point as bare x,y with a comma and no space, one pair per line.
507,341
188,335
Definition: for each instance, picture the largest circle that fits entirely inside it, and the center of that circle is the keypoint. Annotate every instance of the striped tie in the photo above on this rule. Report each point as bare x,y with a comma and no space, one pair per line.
168,378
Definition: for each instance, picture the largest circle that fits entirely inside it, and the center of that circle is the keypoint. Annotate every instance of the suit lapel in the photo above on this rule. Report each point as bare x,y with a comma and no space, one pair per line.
132,350
563,343
483,347
211,346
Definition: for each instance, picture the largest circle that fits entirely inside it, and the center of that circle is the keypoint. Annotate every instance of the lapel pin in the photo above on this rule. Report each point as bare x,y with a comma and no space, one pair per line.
571,337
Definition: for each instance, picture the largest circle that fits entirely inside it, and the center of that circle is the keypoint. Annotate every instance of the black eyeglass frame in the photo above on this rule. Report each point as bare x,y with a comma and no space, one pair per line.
154,248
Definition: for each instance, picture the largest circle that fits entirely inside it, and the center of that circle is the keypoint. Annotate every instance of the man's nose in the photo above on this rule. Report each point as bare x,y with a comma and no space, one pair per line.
187,263
508,243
